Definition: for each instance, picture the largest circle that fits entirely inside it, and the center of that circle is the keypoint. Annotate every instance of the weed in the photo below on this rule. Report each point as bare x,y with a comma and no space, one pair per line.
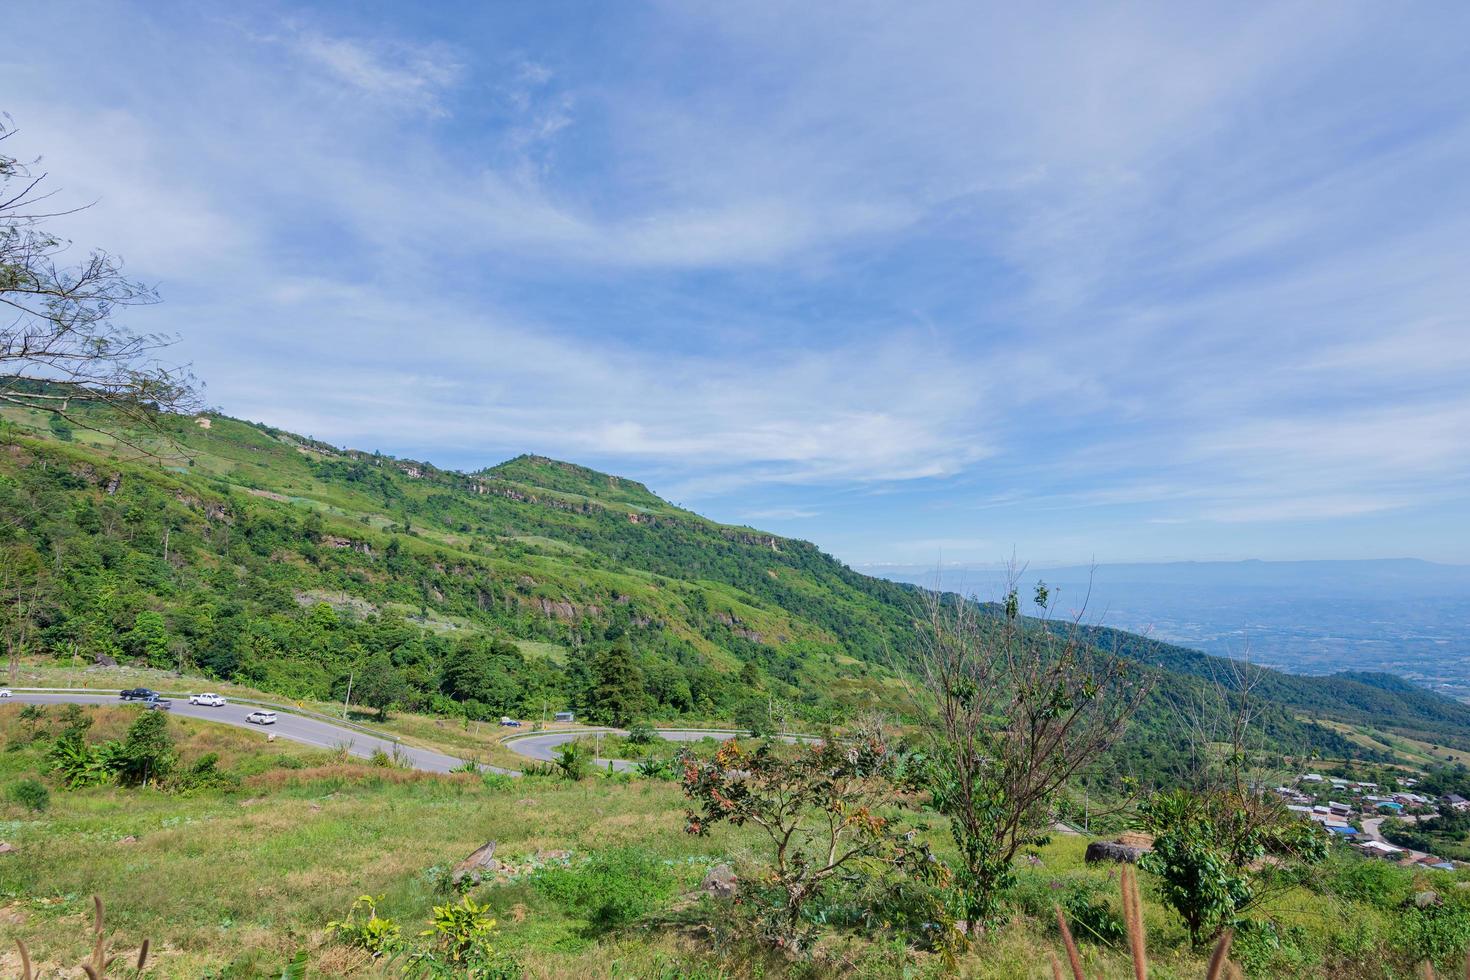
611,889
29,793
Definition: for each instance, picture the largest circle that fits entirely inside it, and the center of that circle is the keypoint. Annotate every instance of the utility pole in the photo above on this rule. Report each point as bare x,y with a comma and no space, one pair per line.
347,700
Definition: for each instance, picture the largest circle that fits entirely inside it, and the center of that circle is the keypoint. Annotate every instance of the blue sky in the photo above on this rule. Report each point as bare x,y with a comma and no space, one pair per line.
921,282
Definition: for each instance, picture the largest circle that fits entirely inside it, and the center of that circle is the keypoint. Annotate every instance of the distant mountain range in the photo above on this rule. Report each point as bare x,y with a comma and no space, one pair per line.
1404,616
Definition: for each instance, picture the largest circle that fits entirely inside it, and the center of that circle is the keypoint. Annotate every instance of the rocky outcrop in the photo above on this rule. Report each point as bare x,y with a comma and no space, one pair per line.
1127,848
720,882
471,870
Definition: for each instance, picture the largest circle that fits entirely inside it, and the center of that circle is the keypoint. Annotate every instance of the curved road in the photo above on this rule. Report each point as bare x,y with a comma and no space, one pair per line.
323,734
309,731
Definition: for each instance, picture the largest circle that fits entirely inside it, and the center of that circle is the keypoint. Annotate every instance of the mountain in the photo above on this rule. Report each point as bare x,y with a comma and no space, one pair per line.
1404,616
255,554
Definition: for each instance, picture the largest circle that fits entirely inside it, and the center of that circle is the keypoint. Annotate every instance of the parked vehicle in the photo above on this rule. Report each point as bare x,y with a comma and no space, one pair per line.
565,716
261,717
138,694
4,692
208,700
509,723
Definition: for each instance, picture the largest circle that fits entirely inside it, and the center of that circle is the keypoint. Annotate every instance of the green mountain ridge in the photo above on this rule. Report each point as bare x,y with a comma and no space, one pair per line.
255,554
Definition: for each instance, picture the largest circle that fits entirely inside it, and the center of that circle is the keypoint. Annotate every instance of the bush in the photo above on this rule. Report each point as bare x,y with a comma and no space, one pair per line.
641,733
611,889
29,793
498,781
364,929
206,774
572,760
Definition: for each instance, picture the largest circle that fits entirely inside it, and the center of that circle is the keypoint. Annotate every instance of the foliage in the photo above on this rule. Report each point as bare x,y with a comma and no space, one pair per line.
363,928
78,764
641,733
616,696
31,794
1209,852
1018,710
821,813
572,761
462,933
147,751
611,888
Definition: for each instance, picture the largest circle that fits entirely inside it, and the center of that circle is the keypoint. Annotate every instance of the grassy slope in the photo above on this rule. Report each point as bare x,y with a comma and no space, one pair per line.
554,553
232,883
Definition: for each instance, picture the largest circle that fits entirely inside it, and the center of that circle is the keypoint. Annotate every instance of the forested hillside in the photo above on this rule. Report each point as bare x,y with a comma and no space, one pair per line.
253,554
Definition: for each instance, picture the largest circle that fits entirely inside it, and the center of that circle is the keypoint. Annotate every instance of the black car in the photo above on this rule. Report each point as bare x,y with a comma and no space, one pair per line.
139,694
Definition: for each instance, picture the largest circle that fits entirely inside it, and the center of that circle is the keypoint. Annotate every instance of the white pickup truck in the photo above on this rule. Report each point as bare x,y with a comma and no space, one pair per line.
208,700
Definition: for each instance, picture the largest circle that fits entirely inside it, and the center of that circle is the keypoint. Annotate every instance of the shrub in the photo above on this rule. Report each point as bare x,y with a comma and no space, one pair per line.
364,929
462,933
572,760
147,751
498,781
29,793
641,733
205,774
611,889
818,812
78,764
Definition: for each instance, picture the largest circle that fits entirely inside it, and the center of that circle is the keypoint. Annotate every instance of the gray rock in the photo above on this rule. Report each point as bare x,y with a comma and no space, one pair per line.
1424,900
473,868
1107,850
720,882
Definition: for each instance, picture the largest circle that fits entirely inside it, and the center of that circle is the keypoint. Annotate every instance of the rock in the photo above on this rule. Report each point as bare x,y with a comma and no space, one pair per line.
103,660
474,867
6,848
1425,900
1109,850
720,882
545,857
526,802
130,839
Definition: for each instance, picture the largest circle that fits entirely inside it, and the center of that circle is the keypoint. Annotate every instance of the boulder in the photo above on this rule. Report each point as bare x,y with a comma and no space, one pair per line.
473,868
1426,900
720,882
6,848
1111,850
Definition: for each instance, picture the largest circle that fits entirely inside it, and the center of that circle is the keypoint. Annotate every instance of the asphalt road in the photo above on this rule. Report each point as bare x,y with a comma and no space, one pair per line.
308,731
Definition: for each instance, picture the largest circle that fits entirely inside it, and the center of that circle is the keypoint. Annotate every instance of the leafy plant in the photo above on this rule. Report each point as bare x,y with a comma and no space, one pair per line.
571,760
1208,850
364,929
78,764
462,933
641,733
820,813
611,889
29,793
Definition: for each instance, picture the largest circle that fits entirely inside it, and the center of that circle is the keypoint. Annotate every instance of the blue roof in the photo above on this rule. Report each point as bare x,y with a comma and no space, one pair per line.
1345,831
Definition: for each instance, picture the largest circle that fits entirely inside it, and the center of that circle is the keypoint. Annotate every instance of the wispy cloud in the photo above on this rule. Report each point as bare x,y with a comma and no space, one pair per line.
1117,269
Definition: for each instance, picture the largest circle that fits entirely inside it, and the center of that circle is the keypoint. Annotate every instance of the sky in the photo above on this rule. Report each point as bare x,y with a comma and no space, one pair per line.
931,282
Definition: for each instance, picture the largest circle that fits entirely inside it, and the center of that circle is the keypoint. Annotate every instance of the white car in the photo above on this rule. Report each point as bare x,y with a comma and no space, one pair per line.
208,700
4,692
261,717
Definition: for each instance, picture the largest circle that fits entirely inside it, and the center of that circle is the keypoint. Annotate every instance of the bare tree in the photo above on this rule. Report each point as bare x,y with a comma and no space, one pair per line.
60,347
1019,706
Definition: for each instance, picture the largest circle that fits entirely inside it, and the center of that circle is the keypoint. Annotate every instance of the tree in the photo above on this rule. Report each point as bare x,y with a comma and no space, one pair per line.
1018,708
617,695
821,814
483,670
59,343
1225,843
379,685
149,640
147,751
